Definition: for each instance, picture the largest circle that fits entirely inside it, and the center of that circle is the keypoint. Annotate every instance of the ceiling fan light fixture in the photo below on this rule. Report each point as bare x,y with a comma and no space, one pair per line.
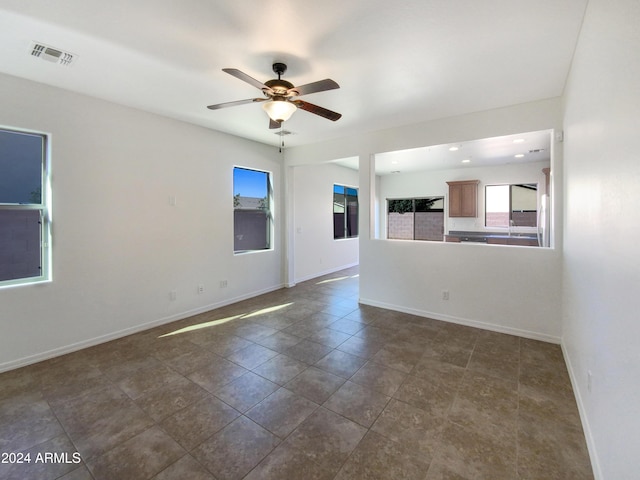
279,110
281,97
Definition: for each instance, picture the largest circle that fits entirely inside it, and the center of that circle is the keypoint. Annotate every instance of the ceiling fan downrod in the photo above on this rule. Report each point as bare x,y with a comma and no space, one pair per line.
279,69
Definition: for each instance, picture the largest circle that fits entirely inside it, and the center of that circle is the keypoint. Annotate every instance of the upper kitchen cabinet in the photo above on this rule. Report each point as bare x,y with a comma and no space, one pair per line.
463,198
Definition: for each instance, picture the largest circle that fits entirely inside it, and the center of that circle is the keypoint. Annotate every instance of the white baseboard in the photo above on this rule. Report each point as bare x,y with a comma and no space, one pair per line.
464,321
593,456
74,347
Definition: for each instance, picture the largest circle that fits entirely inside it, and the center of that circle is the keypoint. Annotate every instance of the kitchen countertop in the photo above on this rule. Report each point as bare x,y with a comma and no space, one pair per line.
491,237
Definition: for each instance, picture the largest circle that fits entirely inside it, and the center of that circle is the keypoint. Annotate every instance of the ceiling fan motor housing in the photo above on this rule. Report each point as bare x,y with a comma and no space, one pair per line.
278,86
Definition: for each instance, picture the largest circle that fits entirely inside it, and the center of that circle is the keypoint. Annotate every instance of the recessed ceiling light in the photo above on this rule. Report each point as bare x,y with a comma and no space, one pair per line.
520,155
394,162
466,160
454,149
518,140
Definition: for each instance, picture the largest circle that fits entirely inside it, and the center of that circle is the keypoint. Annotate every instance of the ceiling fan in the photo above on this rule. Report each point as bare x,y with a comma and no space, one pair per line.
280,97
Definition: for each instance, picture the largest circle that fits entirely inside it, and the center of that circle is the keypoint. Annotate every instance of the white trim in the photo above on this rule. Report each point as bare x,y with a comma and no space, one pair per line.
271,216
464,321
588,434
56,352
45,209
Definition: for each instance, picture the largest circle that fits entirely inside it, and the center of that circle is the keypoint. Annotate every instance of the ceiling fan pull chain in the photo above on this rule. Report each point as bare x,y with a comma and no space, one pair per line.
281,138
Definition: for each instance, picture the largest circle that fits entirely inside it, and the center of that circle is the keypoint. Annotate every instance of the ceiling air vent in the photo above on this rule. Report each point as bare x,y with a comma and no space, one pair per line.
282,133
51,54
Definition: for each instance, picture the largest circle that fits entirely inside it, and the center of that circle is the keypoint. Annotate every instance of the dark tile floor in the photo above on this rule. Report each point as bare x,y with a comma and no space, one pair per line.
302,383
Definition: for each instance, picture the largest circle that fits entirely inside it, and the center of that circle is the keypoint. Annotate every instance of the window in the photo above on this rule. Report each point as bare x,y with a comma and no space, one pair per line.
24,213
513,205
252,210
345,212
415,218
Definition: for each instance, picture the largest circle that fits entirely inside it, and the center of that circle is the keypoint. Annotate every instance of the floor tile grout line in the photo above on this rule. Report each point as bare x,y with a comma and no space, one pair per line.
65,432
381,321
518,408
69,435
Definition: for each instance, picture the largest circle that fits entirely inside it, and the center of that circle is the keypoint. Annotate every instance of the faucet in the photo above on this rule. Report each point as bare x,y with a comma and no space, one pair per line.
511,224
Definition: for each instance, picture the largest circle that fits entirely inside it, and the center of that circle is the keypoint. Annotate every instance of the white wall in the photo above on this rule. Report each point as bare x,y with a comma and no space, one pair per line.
119,248
508,289
434,183
315,251
602,227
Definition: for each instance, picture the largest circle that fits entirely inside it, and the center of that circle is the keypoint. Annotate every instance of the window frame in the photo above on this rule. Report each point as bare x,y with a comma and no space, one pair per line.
347,226
412,211
510,207
44,209
269,217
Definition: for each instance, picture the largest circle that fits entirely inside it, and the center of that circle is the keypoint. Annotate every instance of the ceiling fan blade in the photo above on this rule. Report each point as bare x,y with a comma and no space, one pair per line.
246,78
323,112
319,86
273,124
237,102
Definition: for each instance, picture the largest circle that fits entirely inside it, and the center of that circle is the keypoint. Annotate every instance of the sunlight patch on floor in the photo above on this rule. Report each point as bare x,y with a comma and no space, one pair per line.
336,279
200,326
221,321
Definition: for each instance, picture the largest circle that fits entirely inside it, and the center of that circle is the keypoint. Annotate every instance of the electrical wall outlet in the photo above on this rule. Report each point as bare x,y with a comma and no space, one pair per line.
445,294
173,295
200,289
223,284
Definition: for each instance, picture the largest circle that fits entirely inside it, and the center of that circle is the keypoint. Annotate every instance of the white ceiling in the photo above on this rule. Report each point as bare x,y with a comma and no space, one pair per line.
505,150
397,62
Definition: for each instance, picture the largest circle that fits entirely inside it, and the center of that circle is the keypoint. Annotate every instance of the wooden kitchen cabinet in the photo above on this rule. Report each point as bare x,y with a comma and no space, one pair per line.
463,198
